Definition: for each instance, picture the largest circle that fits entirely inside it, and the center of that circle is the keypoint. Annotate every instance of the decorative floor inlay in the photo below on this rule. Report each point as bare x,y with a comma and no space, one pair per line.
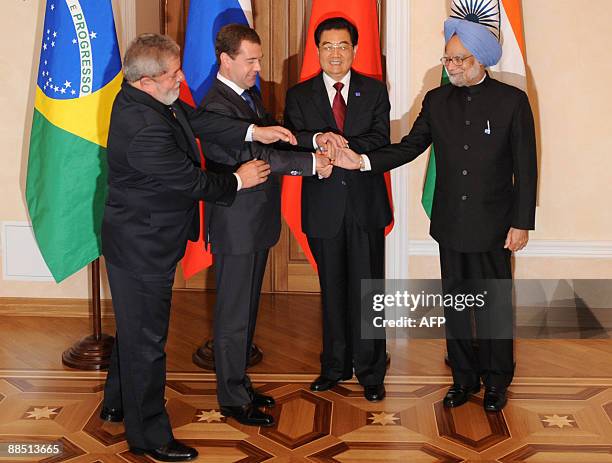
546,420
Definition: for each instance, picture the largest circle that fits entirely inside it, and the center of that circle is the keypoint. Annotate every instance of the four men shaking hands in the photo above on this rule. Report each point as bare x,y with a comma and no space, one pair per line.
337,138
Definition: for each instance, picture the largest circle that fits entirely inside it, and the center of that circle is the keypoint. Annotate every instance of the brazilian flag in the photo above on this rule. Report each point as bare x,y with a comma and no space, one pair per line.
78,77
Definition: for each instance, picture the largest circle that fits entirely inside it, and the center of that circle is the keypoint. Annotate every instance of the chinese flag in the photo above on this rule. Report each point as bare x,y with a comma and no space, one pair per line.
363,14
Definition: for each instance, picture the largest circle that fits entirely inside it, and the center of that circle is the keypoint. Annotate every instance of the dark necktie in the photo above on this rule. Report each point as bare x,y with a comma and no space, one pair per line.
339,106
246,96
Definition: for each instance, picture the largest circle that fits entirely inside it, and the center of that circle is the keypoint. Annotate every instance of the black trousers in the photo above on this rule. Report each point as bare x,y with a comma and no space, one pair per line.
343,261
136,377
489,272
239,279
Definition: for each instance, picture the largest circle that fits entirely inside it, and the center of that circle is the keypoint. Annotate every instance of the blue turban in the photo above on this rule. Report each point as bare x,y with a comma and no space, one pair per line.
475,37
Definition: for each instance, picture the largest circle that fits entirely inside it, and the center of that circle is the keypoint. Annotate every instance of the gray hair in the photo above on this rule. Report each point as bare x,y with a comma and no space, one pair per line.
147,56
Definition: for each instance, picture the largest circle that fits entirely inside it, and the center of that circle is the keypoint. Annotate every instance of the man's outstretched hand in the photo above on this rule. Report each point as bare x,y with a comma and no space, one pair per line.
345,158
272,134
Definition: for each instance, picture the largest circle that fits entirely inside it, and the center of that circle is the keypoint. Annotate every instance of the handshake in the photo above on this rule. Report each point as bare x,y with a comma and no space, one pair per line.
333,148
333,151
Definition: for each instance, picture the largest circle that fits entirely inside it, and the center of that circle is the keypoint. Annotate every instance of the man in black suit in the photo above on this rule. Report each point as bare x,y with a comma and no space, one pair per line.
154,183
232,123
484,200
344,215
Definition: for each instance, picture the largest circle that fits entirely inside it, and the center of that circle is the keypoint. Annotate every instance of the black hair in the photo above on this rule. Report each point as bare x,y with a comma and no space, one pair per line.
337,23
230,37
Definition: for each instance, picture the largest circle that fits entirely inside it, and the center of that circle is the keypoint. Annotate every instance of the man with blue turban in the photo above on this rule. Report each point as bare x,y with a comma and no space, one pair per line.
484,202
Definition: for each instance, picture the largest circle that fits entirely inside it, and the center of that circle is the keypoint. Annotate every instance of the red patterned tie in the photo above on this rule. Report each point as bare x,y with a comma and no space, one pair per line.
339,106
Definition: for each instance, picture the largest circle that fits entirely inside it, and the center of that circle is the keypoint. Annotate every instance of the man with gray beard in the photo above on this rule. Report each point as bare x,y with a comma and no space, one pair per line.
484,200
154,184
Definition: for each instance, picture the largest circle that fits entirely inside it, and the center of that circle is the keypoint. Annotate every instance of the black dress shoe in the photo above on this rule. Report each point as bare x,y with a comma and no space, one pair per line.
323,384
172,451
111,414
249,415
494,398
458,395
261,400
374,393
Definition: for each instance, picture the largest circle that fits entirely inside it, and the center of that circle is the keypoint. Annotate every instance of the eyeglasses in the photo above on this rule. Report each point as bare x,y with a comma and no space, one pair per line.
456,60
342,46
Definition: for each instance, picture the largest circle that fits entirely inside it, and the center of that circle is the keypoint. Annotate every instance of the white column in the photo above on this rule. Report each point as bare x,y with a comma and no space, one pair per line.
396,48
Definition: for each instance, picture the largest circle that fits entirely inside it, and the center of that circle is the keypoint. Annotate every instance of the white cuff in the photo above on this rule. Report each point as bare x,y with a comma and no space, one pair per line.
314,140
249,134
366,163
314,164
239,182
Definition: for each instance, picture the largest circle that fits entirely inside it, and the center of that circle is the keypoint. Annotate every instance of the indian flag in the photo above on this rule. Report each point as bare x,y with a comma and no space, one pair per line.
79,75
504,19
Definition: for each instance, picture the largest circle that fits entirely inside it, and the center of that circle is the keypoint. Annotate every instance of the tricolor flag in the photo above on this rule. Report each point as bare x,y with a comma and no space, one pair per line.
363,14
205,19
504,19
78,77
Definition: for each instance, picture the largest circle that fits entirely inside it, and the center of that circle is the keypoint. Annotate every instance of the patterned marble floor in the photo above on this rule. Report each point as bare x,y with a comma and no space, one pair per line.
547,420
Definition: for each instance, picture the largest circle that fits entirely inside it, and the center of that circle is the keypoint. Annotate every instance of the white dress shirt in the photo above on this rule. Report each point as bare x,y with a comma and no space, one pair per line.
249,133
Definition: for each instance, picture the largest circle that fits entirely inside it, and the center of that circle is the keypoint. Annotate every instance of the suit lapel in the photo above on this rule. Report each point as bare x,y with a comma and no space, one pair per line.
179,123
236,100
181,118
321,101
355,103
258,103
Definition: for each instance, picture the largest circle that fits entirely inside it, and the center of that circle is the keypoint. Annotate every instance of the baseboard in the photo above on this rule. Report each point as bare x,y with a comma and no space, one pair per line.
535,248
47,307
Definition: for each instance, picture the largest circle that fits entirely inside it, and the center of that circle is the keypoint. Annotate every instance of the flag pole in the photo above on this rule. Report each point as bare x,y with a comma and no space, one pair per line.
92,352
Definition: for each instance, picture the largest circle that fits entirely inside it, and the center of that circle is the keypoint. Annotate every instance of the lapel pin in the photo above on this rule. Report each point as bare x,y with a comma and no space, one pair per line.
488,129
357,93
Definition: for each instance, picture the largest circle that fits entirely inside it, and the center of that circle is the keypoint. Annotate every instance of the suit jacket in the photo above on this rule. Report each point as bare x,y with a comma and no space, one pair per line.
154,182
486,165
252,223
366,127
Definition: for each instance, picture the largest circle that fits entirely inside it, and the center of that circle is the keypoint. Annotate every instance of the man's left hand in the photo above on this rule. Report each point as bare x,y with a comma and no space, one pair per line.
517,239
338,141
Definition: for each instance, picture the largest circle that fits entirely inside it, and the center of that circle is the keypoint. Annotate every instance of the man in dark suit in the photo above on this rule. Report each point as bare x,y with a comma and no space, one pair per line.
154,183
484,201
231,122
344,215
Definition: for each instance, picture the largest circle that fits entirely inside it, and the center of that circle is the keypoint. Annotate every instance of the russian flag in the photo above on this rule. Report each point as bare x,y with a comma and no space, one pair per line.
205,19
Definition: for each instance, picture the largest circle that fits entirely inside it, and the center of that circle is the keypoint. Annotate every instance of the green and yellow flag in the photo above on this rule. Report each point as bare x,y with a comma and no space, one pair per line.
78,77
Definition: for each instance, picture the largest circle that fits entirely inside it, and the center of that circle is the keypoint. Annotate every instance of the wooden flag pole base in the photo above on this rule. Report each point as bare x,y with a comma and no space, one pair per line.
90,353
204,357
93,352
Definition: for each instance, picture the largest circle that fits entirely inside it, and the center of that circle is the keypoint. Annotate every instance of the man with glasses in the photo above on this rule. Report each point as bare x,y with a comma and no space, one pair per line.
344,213
484,200
154,184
